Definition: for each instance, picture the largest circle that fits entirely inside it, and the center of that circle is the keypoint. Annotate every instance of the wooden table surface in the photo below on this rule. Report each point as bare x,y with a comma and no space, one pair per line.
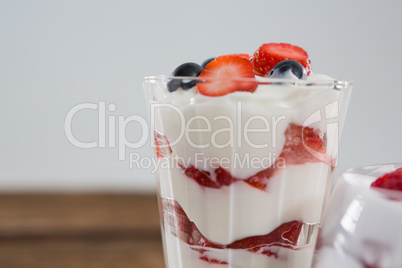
79,230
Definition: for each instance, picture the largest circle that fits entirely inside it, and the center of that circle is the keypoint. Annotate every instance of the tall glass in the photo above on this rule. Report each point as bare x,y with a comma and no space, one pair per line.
243,178
362,224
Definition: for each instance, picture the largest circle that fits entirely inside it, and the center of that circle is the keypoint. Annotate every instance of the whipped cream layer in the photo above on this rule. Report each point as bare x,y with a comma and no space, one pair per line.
225,215
363,223
204,129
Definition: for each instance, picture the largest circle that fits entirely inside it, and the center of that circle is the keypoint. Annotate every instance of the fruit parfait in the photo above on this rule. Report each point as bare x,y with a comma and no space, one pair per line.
246,146
363,222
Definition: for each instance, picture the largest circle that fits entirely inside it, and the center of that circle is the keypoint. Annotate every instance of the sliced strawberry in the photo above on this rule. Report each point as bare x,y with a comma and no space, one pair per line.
366,265
391,181
224,177
286,235
260,180
162,145
158,149
225,75
212,261
202,177
268,55
297,139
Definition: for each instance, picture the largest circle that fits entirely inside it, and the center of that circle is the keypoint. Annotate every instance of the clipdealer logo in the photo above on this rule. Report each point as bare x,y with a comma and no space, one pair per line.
111,131
107,128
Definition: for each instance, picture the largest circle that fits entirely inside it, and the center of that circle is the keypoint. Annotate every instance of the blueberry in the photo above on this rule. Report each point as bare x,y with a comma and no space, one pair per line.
206,62
284,69
189,69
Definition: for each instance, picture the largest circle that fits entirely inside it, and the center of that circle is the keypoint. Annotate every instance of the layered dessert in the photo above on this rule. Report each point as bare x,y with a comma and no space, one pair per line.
362,224
247,146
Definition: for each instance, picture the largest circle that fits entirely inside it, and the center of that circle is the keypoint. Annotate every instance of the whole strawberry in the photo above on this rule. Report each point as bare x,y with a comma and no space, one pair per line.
270,54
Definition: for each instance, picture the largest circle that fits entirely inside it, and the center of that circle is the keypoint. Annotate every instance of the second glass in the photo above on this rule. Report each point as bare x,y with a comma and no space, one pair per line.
362,224
243,178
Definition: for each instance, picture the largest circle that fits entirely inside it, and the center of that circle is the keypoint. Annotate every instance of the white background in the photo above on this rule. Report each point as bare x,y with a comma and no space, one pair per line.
57,54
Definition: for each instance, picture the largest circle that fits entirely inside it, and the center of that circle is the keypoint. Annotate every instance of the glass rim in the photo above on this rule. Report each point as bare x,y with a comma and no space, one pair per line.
367,167
362,176
333,84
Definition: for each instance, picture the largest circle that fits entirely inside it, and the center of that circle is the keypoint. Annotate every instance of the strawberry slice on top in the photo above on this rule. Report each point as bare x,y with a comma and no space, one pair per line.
241,55
225,75
391,181
268,55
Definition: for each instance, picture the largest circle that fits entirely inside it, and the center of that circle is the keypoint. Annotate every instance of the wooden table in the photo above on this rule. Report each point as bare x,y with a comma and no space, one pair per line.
79,230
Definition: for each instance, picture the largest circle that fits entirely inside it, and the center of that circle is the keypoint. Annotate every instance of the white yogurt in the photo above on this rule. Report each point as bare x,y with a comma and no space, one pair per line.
243,123
223,215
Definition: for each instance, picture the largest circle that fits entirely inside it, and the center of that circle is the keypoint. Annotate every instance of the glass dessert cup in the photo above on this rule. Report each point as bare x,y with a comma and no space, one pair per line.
362,226
243,178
